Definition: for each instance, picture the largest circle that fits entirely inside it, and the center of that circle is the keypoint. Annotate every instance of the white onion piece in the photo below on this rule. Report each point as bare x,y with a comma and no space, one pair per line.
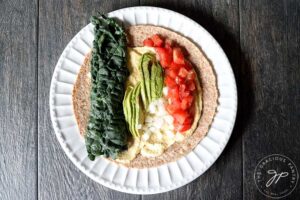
165,91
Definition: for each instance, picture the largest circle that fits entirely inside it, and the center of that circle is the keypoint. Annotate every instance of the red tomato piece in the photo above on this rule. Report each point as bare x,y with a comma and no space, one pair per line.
164,56
173,106
164,63
191,86
185,127
173,92
170,109
169,51
168,43
175,65
157,40
183,92
170,82
148,42
188,65
188,120
191,75
175,103
171,72
178,57
183,72
180,116
187,102
179,80
184,104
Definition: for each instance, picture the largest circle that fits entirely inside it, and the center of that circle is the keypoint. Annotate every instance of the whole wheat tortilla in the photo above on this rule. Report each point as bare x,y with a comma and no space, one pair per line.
205,72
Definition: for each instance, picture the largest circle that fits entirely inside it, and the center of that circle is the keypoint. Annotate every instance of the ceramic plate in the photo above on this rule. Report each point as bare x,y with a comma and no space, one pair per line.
150,180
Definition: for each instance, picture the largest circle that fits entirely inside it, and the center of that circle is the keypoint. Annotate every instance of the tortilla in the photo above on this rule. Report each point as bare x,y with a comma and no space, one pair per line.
205,72
81,95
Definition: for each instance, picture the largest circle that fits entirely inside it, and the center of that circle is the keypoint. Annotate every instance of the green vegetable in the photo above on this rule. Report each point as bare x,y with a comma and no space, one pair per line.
127,107
152,79
157,81
106,132
131,104
144,69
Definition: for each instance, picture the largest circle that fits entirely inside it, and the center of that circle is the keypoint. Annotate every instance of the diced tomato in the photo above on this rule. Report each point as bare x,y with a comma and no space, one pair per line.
183,92
179,80
182,72
188,120
175,65
191,86
164,56
184,104
187,101
170,109
168,43
164,63
173,106
175,103
173,93
169,51
148,42
178,57
171,72
180,116
191,75
185,127
188,65
160,51
157,40
170,82
182,87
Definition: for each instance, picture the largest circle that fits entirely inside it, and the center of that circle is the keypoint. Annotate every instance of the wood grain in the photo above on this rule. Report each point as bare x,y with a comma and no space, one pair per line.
58,178
270,38
221,19
18,110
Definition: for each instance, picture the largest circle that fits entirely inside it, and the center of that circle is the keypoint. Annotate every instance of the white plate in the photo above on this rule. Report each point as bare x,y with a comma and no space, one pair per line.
168,176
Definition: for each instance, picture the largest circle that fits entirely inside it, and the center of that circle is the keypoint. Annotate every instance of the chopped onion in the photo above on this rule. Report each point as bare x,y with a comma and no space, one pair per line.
165,91
139,126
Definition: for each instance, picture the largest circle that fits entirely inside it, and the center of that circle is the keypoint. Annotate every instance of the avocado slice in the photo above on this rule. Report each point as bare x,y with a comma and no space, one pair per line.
135,104
146,62
156,81
127,107
131,106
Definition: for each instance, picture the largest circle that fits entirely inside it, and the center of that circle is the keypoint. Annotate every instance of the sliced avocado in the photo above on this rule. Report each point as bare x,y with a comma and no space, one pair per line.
127,107
156,81
146,76
131,106
147,61
152,81
143,90
134,108
159,81
137,110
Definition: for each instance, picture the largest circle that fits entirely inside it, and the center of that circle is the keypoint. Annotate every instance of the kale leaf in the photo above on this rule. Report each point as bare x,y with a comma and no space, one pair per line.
106,131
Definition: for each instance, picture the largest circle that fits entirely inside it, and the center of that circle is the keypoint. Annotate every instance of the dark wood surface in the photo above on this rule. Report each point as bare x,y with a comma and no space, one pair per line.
260,38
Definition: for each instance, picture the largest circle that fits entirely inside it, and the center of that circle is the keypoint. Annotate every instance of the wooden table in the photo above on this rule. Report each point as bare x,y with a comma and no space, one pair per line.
261,39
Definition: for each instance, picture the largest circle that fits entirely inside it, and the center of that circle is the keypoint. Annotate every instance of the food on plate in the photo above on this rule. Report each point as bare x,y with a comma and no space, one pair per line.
108,76
145,96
